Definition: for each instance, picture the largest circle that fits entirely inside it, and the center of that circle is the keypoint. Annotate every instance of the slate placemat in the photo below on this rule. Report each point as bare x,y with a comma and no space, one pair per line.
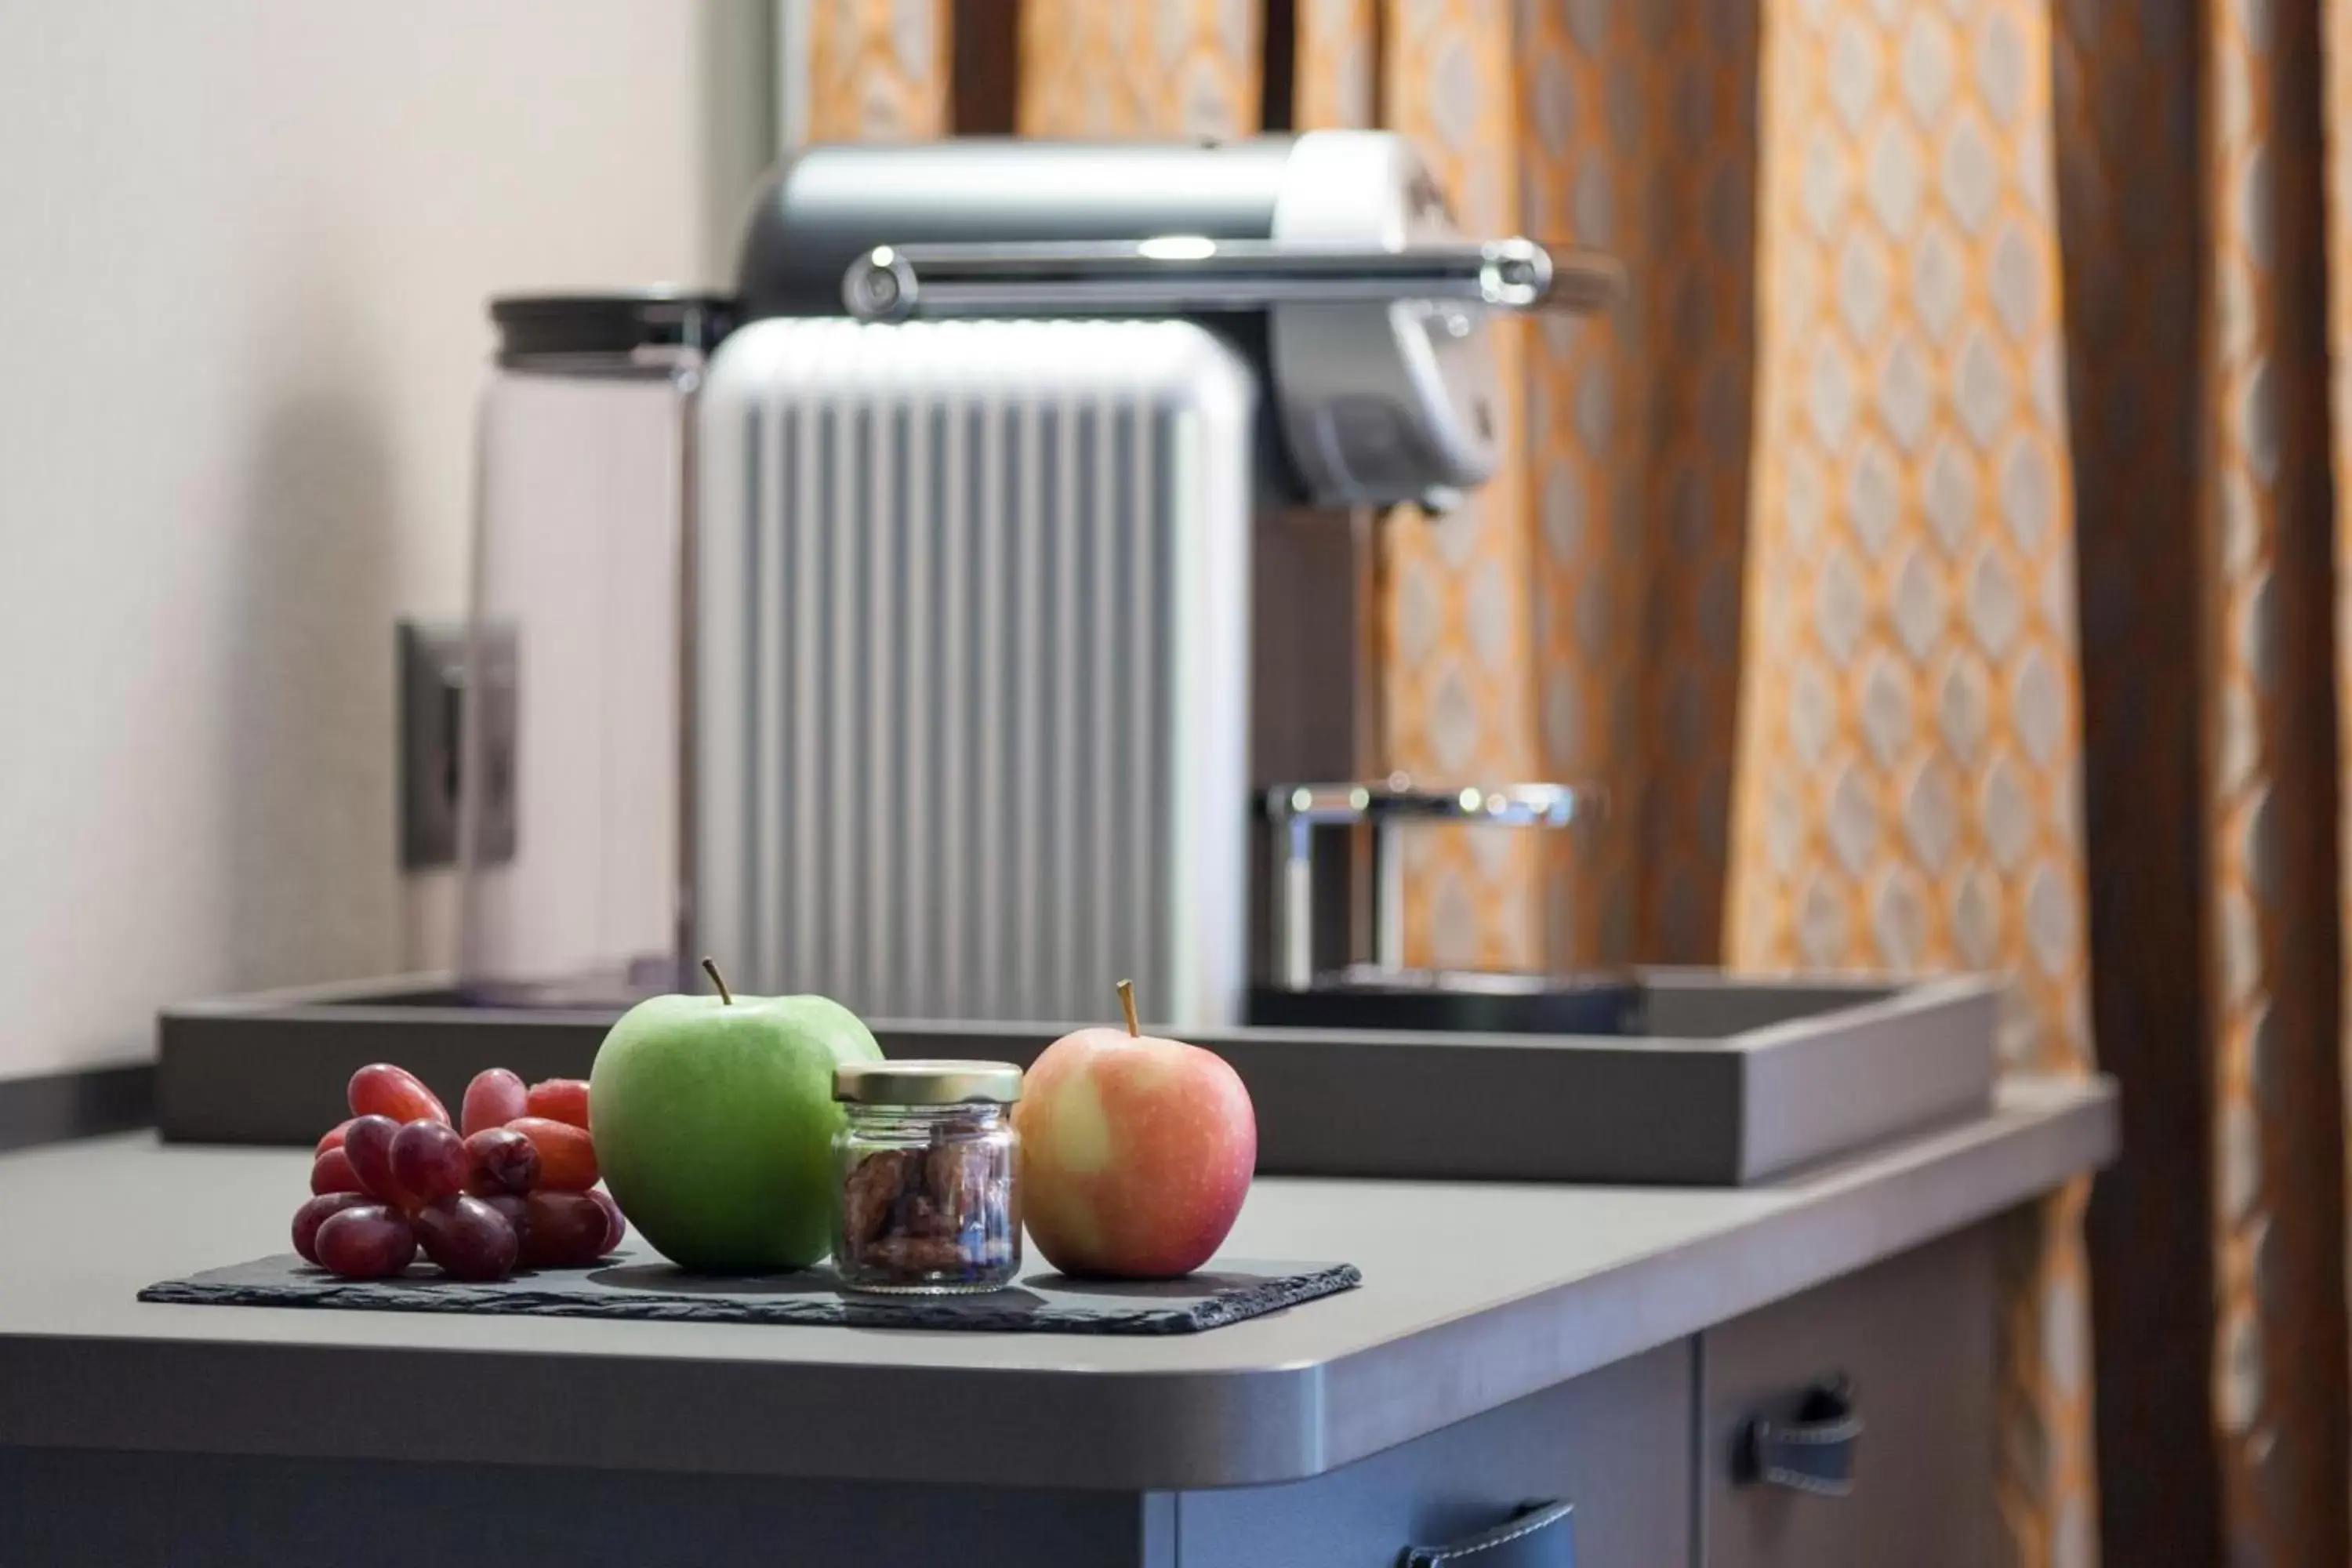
637,1285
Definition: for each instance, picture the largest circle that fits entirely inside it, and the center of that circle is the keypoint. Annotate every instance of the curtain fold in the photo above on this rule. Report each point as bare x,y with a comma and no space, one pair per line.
2126,112
2280,1358
2193,146
1578,618
1639,137
2269,791
1908,764
1336,65
877,70
2336,130
1457,615
1169,68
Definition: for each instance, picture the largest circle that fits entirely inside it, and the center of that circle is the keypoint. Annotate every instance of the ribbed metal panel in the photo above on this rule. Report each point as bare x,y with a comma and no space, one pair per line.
971,672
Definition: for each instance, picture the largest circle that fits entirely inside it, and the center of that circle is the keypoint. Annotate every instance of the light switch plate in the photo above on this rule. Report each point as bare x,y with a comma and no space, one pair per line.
434,693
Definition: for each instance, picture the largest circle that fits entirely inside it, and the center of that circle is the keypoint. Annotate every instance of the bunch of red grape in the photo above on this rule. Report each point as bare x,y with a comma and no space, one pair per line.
514,1183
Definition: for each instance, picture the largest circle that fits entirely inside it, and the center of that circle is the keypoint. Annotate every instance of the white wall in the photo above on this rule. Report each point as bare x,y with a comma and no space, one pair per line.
244,249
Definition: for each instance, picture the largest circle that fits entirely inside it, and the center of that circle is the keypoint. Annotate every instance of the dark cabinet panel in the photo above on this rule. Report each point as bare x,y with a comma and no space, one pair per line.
1911,1341
1615,1443
80,1508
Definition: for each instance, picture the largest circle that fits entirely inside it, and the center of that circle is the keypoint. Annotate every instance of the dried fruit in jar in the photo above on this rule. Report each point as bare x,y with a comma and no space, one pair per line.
956,1178
871,1192
938,1214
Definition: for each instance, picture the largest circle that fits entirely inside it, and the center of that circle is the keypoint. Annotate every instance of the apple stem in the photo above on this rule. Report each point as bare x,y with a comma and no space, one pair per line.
1126,1002
726,997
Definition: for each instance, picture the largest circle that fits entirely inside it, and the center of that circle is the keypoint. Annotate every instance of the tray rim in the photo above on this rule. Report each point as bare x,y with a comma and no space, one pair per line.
1874,995
1722,1109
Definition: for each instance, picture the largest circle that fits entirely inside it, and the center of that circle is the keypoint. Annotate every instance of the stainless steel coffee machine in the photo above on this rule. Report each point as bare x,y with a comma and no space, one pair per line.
1030,553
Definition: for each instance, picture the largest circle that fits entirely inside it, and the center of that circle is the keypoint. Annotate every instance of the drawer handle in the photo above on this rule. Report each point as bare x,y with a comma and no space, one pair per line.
1812,1454
1542,1535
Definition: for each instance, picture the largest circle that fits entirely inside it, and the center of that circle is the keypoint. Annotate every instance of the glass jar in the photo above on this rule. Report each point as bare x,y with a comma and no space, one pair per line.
569,808
927,1165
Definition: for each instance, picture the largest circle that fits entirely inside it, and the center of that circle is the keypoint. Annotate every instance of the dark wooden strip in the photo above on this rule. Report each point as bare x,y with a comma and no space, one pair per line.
55,1107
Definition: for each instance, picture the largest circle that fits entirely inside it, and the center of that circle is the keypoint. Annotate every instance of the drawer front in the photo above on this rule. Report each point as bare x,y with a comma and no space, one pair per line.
1913,1337
1616,1444
84,1508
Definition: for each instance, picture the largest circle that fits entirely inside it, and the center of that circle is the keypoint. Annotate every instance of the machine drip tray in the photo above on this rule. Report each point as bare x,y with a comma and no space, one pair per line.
1456,1002
1661,1076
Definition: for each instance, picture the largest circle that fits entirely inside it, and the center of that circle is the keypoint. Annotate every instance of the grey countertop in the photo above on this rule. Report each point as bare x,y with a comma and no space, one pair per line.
1474,1294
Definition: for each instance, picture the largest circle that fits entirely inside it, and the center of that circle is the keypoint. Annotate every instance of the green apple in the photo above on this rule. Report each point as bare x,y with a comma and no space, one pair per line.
714,1120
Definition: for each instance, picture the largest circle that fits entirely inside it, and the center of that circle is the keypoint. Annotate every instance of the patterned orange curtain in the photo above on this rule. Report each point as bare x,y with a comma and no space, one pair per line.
1578,618
1908,750
1168,69
1907,754
1457,621
877,70
1938,559
1639,137
1908,781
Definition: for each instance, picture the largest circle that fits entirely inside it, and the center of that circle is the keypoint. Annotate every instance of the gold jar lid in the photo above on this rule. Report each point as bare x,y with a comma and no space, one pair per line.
927,1083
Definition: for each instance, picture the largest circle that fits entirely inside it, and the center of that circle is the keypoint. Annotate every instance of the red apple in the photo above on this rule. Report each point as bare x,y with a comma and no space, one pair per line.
1136,1153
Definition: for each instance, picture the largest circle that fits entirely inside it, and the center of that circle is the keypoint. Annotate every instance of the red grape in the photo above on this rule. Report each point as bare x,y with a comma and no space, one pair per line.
566,1230
368,1145
504,1161
429,1161
335,1134
381,1089
517,1212
470,1239
615,1227
314,1213
560,1099
495,1098
332,1173
567,1156
368,1242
